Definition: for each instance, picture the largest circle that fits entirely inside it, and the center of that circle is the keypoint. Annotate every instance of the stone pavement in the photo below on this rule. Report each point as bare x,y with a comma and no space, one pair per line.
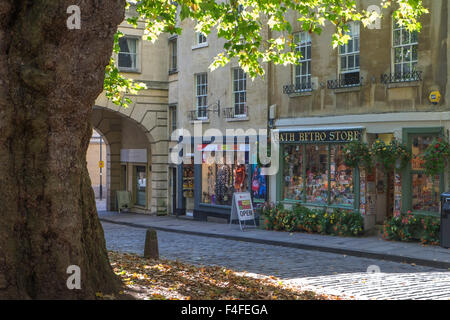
324,272
367,247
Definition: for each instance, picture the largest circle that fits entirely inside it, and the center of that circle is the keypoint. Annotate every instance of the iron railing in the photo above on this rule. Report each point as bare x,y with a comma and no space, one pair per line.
235,112
200,114
347,82
397,77
297,88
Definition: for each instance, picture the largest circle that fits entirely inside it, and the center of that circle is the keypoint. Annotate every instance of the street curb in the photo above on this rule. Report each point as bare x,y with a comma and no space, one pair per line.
349,252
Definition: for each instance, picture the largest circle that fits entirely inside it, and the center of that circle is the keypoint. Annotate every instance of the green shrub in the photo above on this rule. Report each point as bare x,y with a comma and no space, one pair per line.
338,222
408,227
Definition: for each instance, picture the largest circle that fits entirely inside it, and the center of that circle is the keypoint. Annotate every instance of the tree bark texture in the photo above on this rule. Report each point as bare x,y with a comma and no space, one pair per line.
50,77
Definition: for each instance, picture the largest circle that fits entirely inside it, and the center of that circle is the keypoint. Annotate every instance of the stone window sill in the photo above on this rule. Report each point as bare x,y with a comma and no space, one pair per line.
404,84
200,45
237,119
301,94
350,89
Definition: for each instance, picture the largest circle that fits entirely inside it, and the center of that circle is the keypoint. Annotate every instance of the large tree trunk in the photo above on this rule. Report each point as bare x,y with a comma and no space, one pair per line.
50,77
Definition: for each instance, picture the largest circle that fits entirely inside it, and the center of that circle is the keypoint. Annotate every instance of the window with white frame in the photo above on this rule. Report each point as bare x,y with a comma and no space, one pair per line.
240,92
349,72
302,73
128,54
201,83
173,55
173,118
201,38
404,50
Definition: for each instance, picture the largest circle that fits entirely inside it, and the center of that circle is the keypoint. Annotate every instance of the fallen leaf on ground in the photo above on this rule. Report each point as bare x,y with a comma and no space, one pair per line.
173,280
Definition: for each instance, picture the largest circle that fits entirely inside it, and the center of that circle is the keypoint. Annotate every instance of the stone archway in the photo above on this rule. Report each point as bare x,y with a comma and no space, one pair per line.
147,117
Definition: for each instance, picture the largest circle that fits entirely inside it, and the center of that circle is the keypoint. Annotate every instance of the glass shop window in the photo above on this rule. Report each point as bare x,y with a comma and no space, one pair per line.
293,172
317,174
341,178
425,190
221,180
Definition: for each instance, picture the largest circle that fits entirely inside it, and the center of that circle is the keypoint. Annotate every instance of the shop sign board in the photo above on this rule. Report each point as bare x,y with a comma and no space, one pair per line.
133,155
242,209
320,136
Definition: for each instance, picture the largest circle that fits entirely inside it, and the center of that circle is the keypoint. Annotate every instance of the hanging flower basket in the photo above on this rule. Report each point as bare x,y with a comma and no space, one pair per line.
357,154
401,153
435,157
393,155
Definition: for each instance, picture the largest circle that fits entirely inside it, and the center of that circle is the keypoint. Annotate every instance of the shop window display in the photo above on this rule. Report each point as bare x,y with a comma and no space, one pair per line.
419,145
425,196
317,174
224,185
220,181
258,184
293,172
425,190
188,180
240,178
341,178
323,179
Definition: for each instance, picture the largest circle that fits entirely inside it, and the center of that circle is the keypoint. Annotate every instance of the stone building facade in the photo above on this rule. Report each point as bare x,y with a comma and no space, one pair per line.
378,87
137,137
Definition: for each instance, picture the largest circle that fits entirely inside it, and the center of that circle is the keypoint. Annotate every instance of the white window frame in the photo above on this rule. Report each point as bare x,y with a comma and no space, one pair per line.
173,124
410,43
173,54
303,43
201,94
136,55
200,41
239,90
201,38
350,53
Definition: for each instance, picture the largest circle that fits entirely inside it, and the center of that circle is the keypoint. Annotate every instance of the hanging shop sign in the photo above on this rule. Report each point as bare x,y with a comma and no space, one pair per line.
319,136
242,209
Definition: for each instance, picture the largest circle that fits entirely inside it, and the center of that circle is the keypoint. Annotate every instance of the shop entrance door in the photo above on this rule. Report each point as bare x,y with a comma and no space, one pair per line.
384,187
390,196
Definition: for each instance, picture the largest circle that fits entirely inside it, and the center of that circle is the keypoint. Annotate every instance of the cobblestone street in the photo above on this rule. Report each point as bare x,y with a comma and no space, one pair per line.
319,271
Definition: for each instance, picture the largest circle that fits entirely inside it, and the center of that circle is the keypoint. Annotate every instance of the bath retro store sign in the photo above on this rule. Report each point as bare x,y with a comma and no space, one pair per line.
319,135
242,209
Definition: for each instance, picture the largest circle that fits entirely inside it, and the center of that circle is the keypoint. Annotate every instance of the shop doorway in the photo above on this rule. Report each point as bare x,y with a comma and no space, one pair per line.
384,187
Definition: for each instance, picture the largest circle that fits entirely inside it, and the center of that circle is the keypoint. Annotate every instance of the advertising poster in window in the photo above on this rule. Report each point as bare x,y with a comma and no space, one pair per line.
258,184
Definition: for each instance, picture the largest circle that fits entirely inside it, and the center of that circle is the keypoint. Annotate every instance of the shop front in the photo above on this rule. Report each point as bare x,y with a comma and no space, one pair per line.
421,193
225,168
313,171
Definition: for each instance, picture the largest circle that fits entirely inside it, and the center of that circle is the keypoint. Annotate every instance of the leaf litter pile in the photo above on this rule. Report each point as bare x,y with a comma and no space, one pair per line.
174,280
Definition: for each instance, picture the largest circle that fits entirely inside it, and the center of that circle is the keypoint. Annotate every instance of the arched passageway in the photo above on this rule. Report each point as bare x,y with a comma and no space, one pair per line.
136,158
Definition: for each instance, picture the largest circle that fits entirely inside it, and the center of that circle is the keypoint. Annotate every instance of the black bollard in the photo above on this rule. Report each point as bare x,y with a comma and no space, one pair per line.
151,245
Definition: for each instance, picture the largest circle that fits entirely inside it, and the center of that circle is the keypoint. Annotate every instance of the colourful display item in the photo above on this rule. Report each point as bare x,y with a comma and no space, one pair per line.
244,204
